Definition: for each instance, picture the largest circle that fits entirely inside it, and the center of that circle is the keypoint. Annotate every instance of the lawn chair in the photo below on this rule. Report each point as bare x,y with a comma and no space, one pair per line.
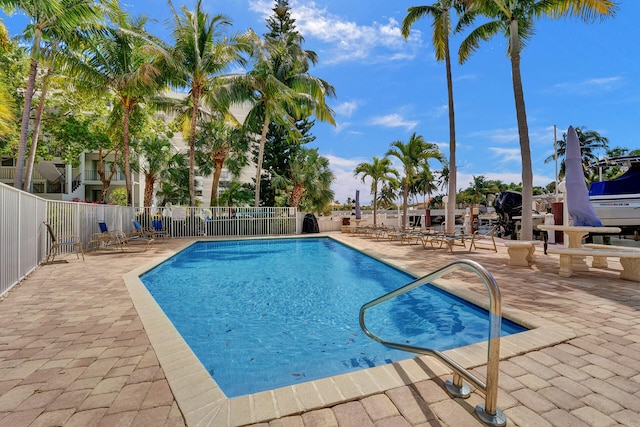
139,230
139,235
58,242
107,237
158,229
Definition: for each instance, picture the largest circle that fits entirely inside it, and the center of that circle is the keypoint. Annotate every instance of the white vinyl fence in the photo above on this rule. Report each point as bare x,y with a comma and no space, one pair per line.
24,242
22,247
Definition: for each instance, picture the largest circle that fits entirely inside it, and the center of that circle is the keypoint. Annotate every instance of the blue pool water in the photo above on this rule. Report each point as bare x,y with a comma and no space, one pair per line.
262,314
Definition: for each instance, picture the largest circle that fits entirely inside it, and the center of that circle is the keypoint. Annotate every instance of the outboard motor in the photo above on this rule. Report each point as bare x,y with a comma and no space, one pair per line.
507,205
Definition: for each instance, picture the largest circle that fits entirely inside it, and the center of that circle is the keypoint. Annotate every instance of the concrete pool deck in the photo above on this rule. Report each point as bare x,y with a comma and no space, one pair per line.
82,345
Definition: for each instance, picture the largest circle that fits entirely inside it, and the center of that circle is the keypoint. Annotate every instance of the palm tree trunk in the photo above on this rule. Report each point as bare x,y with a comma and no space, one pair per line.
149,182
125,151
405,203
523,131
36,132
192,144
215,183
106,182
296,195
375,203
263,140
24,128
26,110
450,215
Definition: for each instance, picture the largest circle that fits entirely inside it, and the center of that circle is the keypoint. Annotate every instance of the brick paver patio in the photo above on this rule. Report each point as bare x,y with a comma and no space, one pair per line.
74,352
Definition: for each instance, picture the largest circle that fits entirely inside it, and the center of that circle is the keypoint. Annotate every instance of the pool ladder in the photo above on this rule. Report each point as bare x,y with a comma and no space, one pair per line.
489,413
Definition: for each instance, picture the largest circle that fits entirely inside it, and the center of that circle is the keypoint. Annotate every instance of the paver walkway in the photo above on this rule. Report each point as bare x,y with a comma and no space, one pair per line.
74,352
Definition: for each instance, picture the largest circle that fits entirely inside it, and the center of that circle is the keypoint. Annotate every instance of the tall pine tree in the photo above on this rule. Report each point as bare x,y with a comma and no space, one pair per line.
282,144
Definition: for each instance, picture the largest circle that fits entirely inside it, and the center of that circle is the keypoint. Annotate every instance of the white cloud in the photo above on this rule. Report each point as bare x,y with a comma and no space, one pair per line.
340,126
590,86
507,155
346,108
346,184
347,40
465,179
394,121
502,136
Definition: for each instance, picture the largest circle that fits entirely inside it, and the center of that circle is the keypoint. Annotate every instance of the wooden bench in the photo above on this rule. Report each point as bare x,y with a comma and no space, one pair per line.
521,252
629,259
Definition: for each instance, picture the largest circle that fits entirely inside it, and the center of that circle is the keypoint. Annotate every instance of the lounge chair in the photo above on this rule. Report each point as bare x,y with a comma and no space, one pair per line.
58,242
107,237
140,230
147,239
158,229
484,236
450,240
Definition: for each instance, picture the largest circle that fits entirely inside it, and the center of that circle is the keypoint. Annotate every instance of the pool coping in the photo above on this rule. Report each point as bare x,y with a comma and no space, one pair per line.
203,403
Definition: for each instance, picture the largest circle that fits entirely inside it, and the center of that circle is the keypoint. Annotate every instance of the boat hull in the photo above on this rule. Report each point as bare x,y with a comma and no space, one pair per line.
621,210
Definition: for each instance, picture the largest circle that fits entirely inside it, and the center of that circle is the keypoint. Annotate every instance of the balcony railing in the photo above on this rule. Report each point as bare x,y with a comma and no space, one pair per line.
92,175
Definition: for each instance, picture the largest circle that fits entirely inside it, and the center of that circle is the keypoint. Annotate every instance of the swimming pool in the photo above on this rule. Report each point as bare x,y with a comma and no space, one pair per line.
272,313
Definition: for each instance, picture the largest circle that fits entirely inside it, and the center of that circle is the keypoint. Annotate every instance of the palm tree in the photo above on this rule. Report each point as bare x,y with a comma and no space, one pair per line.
516,19
157,156
6,100
115,60
236,194
424,184
389,193
410,155
220,144
197,59
310,184
590,140
174,187
440,11
49,19
480,187
281,91
379,171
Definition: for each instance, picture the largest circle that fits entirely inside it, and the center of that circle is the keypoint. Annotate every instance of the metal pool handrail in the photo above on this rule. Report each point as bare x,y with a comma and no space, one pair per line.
488,413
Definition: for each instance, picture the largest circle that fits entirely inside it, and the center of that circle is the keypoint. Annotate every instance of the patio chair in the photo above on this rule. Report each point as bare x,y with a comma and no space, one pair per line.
107,237
140,230
58,242
159,230
140,234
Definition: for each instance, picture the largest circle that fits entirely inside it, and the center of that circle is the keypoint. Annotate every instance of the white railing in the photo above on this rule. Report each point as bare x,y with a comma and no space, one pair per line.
22,246
181,221
24,242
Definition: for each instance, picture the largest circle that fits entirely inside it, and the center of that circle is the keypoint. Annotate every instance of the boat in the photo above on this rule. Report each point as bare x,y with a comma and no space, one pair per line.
617,201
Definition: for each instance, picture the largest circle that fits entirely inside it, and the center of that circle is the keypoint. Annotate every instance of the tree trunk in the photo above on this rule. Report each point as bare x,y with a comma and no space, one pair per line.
450,214
219,156
523,131
375,203
192,144
128,107
36,132
263,140
149,182
296,195
106,182
24,128
405,202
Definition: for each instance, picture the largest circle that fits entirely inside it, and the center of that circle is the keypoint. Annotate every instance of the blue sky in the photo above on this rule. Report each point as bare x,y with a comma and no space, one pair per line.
573,73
